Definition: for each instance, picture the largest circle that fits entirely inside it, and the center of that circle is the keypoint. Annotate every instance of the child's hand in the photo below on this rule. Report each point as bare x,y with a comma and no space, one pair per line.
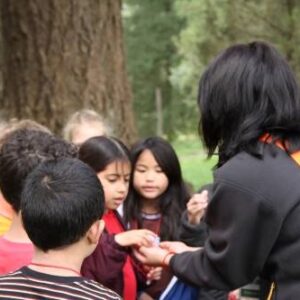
177,247
196,207
154,273
145,296
138,237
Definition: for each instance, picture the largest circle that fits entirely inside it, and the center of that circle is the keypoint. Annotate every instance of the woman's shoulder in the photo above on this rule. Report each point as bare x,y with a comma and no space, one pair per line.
271,176
271,162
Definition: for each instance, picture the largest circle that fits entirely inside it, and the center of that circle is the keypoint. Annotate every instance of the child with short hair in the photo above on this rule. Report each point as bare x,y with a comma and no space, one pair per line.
21,151
6,211
62,205
84,124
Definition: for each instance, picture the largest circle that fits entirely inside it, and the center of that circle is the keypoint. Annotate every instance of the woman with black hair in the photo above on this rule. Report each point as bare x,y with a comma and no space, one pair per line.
250,115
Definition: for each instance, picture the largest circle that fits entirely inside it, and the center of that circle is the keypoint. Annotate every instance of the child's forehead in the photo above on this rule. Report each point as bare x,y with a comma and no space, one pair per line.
119,166
146,156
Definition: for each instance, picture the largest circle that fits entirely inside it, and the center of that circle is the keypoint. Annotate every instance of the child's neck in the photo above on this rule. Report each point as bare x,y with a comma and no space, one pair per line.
66,262
150,206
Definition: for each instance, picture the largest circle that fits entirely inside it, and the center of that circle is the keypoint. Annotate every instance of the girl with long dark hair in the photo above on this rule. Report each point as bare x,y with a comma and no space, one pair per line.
157,196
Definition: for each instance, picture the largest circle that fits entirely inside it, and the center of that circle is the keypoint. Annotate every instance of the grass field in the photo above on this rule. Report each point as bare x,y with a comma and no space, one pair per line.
196,168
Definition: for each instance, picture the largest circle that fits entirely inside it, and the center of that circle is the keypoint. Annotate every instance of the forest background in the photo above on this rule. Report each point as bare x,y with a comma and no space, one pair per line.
169,43
137,62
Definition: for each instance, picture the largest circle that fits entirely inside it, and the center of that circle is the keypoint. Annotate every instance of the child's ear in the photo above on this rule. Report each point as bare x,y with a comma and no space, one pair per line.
95,231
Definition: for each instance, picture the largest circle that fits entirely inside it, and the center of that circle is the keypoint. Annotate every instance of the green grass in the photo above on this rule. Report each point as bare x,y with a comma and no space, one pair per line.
196,168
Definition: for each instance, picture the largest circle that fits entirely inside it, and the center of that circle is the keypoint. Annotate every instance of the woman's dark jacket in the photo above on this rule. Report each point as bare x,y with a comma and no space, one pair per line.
254,226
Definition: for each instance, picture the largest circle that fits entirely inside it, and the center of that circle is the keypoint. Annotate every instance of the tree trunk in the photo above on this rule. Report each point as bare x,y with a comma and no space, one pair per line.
64,55
159,112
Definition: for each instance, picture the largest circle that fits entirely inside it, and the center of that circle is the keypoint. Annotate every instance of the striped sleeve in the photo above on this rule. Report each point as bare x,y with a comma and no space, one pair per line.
20,286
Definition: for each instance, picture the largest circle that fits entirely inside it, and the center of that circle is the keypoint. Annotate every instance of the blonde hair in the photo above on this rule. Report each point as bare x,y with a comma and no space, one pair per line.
81,117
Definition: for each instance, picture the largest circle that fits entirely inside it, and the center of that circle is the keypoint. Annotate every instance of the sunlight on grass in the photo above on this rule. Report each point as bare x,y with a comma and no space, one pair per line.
196,168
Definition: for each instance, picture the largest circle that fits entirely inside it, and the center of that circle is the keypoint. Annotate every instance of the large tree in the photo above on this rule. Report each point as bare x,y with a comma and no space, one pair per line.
62,55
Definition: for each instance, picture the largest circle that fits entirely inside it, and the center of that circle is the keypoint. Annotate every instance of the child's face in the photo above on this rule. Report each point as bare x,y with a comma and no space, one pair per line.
148,178
115,181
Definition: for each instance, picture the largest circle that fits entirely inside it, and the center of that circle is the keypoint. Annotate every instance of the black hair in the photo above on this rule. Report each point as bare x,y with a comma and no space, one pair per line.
173,201
248,90
60,201
100,151
22,150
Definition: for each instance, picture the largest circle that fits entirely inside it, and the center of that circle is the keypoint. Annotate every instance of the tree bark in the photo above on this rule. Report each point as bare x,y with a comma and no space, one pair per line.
64,55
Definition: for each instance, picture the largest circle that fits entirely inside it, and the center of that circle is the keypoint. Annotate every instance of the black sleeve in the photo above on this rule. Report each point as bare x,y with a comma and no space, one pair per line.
211,294
242,230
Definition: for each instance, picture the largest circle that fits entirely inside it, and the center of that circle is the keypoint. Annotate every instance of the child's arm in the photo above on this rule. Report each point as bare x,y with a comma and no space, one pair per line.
137,237
105,264
193,230
196,207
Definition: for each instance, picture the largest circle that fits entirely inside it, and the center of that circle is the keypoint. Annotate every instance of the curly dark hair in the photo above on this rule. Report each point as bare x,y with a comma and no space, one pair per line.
23,150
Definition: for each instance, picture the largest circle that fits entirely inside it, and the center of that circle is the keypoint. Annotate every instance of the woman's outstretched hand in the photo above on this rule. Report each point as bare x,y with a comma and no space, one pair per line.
152,256
177,247
161,256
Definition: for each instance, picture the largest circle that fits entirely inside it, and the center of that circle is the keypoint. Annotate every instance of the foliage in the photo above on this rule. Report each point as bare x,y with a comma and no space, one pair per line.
169,43
213,25
150,27
202,37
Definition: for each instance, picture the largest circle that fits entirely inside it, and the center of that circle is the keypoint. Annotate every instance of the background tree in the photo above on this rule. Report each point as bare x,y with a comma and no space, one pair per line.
212,25
150,28
62,55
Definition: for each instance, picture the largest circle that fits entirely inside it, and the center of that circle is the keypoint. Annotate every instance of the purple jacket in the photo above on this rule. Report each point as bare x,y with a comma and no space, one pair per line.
105,264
